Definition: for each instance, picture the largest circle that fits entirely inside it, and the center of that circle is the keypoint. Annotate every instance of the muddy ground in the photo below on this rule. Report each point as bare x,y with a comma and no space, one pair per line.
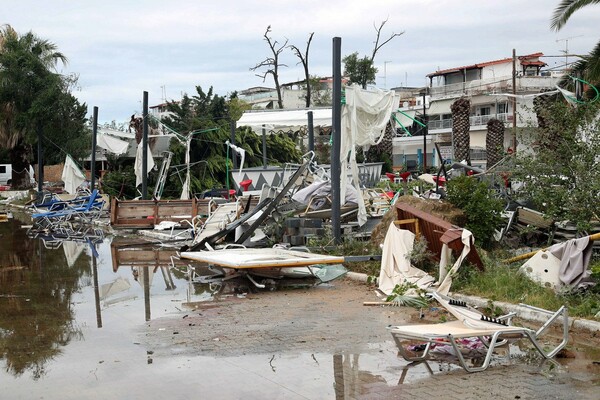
332,319
327,317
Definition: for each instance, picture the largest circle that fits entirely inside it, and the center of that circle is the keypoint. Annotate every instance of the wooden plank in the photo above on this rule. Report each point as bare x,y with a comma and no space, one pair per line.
434,229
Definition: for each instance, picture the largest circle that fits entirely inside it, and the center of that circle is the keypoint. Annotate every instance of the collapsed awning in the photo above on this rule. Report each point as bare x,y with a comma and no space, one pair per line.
285,118
440,107
404,118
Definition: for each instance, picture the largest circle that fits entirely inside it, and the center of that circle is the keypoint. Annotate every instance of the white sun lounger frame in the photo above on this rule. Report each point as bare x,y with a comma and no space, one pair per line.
491,334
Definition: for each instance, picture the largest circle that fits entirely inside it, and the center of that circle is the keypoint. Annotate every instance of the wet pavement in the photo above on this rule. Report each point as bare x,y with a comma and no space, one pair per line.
102,318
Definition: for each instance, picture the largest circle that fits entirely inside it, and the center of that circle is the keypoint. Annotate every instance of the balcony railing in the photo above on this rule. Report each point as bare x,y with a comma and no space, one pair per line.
494,85
476,120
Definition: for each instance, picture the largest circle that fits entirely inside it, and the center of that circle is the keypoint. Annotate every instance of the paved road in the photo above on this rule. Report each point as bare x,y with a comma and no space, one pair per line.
324,343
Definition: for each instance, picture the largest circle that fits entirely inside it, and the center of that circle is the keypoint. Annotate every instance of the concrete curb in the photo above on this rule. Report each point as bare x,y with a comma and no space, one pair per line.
522,312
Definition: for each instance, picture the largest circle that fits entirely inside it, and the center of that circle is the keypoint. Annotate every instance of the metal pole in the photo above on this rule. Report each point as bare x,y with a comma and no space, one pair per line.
93,166
424,136
336,137
146,279
145,148
96,288
232,141
40,157
311,132
264,146
514,99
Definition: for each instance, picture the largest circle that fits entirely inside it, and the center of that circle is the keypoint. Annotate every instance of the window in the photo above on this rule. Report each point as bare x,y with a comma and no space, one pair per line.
502,108
2,169
484,111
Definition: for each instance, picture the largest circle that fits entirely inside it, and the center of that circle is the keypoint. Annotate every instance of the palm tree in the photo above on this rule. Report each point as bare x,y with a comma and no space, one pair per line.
590,64
26,80
461,137
494,141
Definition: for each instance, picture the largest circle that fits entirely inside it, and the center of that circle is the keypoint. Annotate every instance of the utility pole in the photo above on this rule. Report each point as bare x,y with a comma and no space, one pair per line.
514,99
385,63
424,134
566,40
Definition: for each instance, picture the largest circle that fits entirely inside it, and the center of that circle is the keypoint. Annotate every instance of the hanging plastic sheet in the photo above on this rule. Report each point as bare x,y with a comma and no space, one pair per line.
72,175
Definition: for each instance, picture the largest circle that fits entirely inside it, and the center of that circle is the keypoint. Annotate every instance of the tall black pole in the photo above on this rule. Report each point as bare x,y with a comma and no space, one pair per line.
311,132
146,278
424,135
145,148
232,141
93,166
336,136
40,157
96,288
264,146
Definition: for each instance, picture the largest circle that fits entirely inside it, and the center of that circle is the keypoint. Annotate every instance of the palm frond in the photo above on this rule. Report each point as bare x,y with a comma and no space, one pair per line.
565,9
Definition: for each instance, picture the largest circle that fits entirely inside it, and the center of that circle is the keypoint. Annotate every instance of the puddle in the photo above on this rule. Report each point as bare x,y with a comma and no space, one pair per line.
71,313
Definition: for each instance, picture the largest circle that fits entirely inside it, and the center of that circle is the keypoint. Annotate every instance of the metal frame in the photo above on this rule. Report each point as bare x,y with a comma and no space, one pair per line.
491,334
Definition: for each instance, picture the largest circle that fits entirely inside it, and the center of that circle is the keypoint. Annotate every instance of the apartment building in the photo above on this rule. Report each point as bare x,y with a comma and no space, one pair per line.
489,86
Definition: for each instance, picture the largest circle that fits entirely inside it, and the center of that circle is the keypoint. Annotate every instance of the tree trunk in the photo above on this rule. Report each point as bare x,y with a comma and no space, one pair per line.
494,141
19,156
461,137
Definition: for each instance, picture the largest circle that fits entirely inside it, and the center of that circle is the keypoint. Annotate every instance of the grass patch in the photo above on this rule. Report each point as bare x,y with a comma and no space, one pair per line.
501,282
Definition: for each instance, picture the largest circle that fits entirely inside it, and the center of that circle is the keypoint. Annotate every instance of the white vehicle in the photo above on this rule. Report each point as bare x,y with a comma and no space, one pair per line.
5,174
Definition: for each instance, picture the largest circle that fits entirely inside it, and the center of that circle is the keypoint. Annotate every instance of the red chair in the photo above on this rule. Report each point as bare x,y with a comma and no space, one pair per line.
390,176
440,181
246,184
404,175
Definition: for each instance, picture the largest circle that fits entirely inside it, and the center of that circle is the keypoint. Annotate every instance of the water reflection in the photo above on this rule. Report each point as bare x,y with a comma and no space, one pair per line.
36,286
48,281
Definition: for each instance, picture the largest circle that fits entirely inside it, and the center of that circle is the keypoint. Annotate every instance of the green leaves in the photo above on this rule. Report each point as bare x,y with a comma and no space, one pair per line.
359,70
481,208
562,176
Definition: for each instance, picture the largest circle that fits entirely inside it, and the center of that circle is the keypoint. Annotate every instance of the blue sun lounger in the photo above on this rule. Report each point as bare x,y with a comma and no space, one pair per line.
66,210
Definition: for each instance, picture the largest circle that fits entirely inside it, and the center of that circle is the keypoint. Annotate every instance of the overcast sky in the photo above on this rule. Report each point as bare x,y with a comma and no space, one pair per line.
121,48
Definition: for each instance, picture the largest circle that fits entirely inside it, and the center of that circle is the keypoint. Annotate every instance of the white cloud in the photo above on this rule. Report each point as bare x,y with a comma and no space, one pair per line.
119,49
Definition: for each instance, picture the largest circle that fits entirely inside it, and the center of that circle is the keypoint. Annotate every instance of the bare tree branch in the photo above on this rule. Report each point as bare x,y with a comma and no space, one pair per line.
272,63
380,45
304,61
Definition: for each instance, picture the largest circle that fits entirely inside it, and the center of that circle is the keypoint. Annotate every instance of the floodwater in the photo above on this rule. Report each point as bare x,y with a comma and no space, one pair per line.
71,313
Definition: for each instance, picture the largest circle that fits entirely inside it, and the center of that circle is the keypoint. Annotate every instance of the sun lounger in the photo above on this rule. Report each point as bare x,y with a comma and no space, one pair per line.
89,210
471,323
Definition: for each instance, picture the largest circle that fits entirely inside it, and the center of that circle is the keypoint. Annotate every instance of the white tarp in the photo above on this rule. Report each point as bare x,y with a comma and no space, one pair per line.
364,118
139,165
285,118
395,262
396,268
72,176
112,144
242,154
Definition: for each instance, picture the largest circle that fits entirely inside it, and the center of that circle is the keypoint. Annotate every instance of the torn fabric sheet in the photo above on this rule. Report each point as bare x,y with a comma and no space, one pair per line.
138,163
575,256
185,190
72,176
242,154
395,263
363,121
445,277
112,144
322,189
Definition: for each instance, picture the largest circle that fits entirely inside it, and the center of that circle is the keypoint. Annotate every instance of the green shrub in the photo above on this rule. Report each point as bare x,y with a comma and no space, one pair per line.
482,209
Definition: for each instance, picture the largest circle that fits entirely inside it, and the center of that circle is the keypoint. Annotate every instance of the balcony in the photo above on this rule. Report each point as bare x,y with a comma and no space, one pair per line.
475,120
494,85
